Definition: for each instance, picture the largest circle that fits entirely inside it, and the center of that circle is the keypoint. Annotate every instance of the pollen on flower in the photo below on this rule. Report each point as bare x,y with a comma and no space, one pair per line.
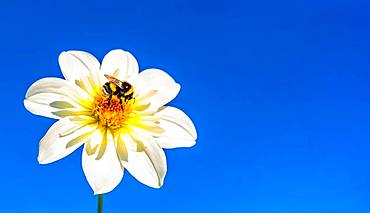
114,113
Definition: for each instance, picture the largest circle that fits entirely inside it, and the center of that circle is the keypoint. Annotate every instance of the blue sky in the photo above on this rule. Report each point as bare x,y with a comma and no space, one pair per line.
278,91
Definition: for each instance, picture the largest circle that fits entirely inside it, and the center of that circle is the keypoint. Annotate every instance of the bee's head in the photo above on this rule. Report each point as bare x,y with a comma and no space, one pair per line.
127,87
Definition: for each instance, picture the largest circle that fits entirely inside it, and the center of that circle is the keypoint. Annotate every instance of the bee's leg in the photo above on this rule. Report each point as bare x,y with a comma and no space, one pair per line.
109,99
120,101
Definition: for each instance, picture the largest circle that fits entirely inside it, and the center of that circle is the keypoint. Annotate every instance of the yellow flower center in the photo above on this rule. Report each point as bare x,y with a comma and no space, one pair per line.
112,113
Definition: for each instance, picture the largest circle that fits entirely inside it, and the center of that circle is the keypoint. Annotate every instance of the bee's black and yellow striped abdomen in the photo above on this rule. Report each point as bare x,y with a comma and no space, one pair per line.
121,89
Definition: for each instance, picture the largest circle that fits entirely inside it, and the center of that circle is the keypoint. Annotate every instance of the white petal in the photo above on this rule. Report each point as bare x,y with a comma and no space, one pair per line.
130,143
149,166
87,59
179,130
57,86
75,64
40,109
46,96
164,87
55,144
121,149
80,66
45,104
104,174
120,63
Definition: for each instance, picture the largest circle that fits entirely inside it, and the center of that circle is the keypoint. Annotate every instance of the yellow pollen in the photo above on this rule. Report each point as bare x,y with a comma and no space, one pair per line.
113,113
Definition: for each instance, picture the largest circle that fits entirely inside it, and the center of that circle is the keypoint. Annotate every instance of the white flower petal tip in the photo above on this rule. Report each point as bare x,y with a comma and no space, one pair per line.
105,173
120,63
42,96
81,68
179,129
164,86
74,64
150,166
62,138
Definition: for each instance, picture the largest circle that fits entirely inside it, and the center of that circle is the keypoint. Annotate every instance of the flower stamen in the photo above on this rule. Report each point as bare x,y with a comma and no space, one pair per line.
111,111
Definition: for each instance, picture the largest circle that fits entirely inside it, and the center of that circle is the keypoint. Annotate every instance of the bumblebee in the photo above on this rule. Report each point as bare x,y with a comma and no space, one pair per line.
121,89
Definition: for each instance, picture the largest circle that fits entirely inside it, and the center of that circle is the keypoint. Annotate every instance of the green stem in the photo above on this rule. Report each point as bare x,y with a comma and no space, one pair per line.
100,203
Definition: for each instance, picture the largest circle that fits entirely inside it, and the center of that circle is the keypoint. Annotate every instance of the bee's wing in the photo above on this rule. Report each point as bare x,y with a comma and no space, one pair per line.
114,80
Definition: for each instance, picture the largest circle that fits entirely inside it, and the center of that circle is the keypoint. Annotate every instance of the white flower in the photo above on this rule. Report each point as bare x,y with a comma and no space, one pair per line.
116,132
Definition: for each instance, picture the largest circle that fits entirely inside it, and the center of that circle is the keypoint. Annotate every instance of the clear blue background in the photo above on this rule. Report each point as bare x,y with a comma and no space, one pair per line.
278,90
